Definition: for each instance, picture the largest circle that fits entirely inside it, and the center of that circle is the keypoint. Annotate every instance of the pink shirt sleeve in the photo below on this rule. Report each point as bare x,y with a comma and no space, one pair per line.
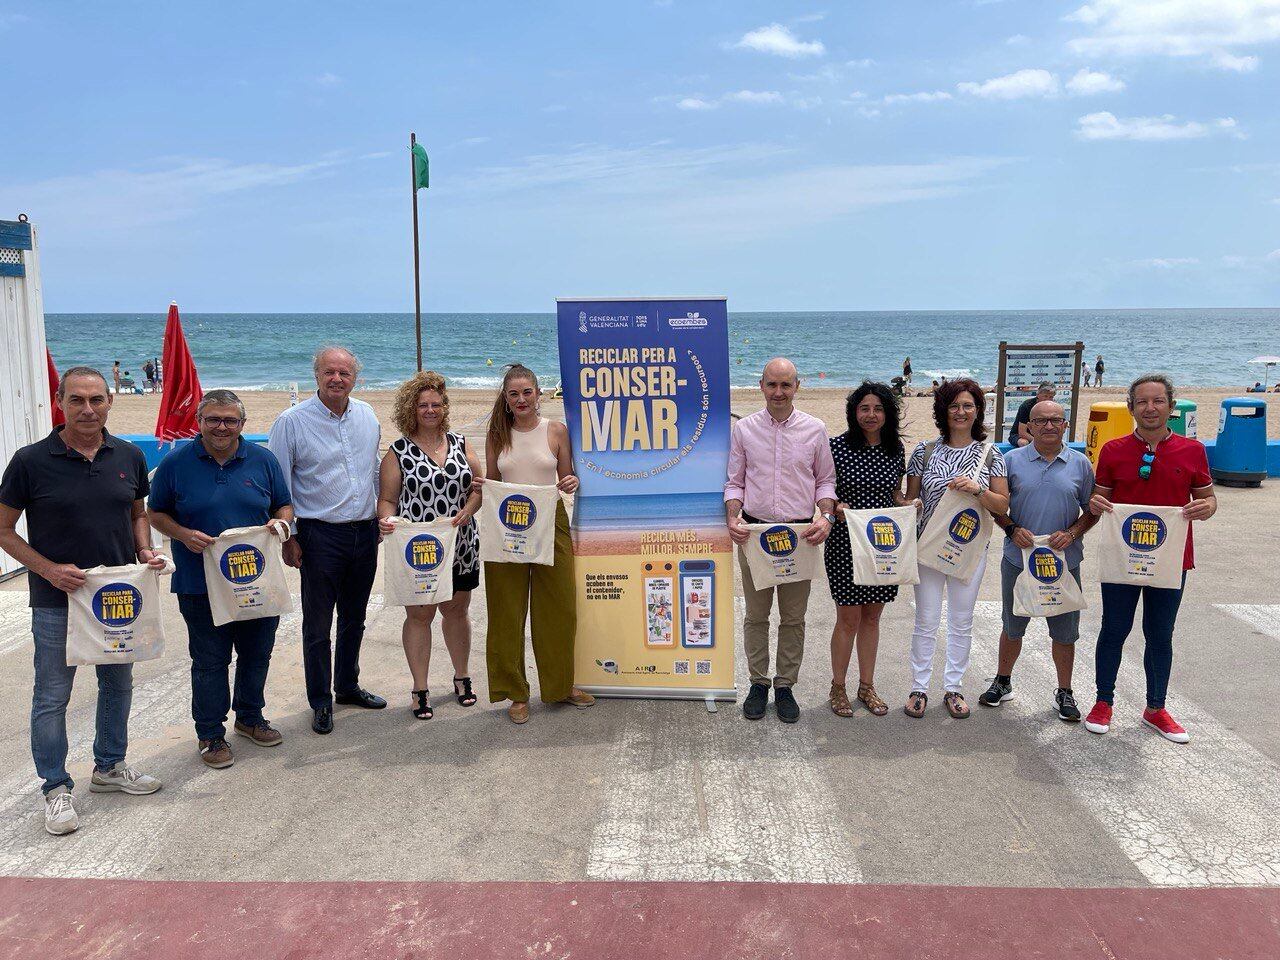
824,471
734,488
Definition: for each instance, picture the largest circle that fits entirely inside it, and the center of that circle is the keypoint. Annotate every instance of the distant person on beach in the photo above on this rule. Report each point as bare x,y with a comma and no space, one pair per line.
524,447
956,459
126,382
1098,369
1086,372
870,465
763,487
1049,489
159,374
1257,387
906,370
149,375
78,516
1157,467
933,387
115,375
1022,420
427,475
215,483
328,449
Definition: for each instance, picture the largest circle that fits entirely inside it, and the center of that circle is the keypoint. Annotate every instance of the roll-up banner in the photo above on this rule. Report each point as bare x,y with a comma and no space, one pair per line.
646,399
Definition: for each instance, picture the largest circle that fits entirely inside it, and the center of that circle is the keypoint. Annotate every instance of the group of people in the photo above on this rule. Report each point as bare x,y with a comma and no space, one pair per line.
152,377
783,468
321,486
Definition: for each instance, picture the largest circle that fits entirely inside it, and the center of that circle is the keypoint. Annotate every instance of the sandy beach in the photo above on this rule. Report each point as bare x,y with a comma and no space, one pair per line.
469,410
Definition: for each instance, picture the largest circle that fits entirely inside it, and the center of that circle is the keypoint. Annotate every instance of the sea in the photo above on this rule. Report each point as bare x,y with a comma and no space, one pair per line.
269,351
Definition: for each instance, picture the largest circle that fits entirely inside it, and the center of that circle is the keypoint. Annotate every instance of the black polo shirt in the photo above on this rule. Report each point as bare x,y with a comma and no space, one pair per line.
77,512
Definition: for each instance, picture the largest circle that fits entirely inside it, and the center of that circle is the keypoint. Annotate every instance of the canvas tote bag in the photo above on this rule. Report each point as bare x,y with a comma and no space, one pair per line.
417,562
1142,546
244,574
115,616
884,546
518,523
1045,587
777,554
957,533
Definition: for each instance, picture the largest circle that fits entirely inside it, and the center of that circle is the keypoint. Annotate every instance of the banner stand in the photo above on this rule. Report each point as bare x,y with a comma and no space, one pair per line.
646,400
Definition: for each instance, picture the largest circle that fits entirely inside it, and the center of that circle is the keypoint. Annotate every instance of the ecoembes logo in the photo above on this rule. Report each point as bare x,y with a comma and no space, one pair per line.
1144,531
964,525
690,320
883,534
778,541
1044,565
517,512
117,604
242,563
424,552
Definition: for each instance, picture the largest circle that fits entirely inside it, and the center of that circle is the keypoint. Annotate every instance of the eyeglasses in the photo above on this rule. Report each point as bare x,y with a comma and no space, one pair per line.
228,422
961,408
1148,459
1049,421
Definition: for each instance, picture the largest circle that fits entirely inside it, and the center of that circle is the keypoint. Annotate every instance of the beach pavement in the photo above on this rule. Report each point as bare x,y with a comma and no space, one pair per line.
657,828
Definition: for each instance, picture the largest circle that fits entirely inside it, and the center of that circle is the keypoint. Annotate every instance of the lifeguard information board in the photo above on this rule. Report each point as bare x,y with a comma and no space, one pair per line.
646,399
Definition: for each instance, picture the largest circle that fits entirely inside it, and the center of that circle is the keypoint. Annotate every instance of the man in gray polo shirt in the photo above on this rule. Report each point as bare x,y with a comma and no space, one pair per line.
1049,489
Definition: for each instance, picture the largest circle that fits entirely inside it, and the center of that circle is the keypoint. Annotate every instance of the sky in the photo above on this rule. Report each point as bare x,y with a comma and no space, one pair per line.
967,154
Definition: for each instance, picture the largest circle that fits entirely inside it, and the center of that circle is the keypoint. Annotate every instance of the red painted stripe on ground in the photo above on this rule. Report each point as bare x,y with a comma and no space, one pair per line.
654,921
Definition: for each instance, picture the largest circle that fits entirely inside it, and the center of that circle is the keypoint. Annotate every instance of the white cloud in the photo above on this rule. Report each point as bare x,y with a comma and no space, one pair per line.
924,96
1087,83
328,80
695,103
1107,126
1165,263
1273,256
860,63
758,97
1226,61
1014,86
780,41
1017,40
1176,28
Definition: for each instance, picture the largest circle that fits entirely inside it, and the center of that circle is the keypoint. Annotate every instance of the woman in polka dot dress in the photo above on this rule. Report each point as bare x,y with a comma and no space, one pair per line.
870,464
426,475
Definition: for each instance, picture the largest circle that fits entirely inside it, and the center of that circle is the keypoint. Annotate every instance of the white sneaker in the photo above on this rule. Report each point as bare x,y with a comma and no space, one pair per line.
60,812
123,779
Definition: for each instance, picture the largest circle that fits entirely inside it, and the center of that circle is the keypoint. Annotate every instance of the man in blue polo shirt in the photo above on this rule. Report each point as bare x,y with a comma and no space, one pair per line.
217,482
1049,489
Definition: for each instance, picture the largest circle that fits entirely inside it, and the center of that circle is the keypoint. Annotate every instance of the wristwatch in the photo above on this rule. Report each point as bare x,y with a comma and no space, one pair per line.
830,518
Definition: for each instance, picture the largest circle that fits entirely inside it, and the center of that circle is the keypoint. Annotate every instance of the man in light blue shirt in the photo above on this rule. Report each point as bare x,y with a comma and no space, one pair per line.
328,448
1049,489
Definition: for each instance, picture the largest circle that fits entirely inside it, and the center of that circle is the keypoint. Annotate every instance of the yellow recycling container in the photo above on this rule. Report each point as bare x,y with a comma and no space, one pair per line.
1108,419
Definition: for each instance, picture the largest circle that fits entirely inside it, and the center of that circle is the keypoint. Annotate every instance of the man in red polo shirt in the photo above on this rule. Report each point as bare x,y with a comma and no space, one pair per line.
1152,466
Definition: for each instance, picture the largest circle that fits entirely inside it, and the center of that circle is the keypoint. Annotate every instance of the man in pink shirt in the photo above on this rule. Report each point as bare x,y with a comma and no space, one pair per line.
780,465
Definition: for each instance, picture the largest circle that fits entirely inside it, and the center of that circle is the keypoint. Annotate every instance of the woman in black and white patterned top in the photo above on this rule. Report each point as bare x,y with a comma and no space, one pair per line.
957,459
426,475
869,468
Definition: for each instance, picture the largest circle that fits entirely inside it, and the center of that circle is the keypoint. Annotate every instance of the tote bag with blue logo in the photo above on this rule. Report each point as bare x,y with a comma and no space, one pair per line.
417,563
1142,546
884,546
777,554
244,575
956,536
518,523
1045,587
115,616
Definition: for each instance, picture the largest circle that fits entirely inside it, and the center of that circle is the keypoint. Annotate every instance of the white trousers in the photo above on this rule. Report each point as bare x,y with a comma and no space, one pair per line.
924,639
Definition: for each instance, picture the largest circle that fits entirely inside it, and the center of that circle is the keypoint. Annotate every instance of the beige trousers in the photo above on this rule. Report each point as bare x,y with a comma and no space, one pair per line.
793,603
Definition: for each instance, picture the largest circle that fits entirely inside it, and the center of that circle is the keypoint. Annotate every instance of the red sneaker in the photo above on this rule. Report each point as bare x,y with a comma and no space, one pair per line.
1162,723
1099,718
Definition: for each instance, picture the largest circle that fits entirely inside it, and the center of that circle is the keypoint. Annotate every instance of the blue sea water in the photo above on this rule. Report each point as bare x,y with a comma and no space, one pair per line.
1207,347
644,512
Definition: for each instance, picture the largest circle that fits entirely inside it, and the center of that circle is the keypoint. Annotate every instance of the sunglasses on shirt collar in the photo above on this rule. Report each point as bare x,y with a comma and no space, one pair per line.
1148,460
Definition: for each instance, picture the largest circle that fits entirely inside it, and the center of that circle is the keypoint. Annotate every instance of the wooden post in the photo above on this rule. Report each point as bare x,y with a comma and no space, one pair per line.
1004,345
1075,389
417,282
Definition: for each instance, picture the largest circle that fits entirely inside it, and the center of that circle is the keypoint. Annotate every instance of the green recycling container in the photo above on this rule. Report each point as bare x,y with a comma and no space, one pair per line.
1182,420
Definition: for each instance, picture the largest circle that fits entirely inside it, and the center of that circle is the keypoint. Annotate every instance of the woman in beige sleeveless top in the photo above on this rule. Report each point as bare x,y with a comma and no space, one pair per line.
524,448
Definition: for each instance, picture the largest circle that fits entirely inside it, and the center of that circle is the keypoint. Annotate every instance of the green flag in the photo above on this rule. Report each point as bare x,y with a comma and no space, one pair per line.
420,167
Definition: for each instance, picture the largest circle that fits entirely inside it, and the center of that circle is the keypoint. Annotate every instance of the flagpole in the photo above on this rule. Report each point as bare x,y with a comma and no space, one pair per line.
417,283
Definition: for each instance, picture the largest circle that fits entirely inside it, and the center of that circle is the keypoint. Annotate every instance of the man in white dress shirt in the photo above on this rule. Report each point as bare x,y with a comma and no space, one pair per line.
328,448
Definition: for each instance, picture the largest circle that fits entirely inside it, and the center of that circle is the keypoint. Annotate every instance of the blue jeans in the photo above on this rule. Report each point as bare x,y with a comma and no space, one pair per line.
211,647
1159,614
52,693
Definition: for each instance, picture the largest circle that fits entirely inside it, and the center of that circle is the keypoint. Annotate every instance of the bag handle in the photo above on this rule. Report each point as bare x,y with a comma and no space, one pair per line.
984,460
281,527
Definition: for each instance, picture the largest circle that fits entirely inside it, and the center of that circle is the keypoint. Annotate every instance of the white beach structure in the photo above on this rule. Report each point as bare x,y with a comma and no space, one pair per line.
25,408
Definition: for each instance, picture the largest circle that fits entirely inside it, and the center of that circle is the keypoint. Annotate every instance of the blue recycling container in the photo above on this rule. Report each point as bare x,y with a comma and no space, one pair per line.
1240,455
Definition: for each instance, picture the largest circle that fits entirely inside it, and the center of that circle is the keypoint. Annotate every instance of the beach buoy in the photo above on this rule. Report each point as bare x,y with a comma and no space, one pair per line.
489,362
822,376
513,343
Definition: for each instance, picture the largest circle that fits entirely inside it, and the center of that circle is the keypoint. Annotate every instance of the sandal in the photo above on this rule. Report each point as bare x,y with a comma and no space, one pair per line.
421,705
839,700
916,704
867,694
956,705
464,695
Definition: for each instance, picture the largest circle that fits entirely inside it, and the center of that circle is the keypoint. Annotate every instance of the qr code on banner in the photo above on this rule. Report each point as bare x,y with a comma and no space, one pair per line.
682,668
703,668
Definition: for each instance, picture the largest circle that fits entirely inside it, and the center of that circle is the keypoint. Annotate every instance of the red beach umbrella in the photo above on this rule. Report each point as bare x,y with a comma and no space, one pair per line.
182,393
55,408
